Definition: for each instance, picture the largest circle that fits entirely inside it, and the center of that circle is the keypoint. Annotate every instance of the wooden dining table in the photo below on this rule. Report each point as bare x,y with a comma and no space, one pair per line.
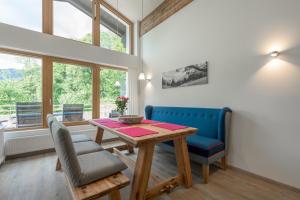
145,145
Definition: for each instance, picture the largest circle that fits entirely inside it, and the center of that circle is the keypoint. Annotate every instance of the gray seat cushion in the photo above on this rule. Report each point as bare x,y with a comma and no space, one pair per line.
98,165
85,168
65,150
80,138
86,147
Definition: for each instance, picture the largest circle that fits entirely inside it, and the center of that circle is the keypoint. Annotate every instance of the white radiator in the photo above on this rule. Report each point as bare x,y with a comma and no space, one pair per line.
2,156
19,142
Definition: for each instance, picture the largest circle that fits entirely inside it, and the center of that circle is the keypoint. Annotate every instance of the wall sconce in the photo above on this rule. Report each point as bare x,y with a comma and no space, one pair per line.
142,77
148,78
274,54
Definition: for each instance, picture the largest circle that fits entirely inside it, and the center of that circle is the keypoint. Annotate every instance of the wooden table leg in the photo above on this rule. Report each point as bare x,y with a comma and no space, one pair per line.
58,165
115,195
183,161
130,149
99,135
142,172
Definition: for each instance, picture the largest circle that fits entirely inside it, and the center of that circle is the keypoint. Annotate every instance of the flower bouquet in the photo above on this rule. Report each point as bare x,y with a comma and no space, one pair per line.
121,103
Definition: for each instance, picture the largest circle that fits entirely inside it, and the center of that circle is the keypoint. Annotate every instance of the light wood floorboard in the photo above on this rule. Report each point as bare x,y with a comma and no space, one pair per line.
35,178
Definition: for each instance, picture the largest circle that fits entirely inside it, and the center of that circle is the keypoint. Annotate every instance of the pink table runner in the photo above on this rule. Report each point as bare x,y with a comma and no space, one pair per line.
136,131
147,121
110,123
171,127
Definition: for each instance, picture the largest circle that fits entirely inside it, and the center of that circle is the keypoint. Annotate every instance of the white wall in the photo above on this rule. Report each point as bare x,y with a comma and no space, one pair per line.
235,36
26,40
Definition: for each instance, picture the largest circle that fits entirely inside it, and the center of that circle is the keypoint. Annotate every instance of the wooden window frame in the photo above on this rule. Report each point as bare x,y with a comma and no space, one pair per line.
47,61
123,18
47,84
31,55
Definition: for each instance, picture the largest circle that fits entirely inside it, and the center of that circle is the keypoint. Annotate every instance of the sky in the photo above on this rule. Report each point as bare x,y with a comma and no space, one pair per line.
68,21
10,61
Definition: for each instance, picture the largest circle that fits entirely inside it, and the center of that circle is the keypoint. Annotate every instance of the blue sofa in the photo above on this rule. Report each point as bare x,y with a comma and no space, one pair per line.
210,143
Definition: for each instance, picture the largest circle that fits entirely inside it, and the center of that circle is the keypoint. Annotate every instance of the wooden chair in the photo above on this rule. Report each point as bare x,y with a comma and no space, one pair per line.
108,186
91,175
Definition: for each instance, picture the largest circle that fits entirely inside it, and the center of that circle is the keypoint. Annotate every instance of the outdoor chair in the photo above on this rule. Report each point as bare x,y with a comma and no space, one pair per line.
72,112
29,114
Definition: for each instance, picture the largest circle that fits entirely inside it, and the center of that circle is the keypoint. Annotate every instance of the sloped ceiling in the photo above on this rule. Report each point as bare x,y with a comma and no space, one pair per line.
130,8
133,8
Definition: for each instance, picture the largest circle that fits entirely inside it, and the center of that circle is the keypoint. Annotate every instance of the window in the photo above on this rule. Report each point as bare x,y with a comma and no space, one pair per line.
114,32
20,91
113,84
25,14
72,92
73,20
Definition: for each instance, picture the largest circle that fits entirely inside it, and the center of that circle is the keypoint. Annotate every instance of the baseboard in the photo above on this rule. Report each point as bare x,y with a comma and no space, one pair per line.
264,178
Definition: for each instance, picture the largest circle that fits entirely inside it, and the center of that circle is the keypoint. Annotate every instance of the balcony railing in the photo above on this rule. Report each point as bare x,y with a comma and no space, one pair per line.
8,113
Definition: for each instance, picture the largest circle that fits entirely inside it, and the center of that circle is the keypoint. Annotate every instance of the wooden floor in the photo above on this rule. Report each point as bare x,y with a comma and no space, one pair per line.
35,178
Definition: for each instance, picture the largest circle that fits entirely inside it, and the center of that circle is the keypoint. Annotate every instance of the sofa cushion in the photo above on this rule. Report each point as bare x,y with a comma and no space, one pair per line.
206,120
80,138
98,165
204,146
86,147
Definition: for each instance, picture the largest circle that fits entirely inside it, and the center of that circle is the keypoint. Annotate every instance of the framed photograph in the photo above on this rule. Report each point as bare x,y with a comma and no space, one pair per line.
186,76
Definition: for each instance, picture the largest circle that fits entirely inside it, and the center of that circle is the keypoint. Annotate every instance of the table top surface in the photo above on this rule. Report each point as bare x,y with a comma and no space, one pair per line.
162,135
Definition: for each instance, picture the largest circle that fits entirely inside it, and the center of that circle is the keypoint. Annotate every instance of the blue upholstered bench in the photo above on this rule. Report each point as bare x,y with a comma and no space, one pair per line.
209,144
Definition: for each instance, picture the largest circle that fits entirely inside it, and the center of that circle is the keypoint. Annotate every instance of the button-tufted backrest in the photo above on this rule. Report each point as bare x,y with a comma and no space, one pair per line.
209,121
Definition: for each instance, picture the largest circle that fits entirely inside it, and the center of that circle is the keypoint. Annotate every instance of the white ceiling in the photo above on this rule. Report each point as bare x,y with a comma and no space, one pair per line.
133,8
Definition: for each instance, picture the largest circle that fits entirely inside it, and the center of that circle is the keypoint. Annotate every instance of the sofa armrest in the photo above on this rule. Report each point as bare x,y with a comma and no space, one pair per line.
148,112
224,126
227,130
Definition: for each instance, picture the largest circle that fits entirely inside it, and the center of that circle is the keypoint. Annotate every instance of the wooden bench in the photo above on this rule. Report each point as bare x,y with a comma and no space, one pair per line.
107,186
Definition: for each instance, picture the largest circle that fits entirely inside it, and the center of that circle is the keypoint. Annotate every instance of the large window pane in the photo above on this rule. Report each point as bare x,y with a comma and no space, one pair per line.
73,20
114,32
72,92
113,84
20,91
25,14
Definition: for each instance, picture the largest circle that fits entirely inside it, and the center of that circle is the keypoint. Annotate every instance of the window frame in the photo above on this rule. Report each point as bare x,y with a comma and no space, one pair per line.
47,22
31,55
47,61
123,18
47,84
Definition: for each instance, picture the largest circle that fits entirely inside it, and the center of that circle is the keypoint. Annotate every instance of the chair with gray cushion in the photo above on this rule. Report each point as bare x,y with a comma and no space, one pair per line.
80,138
82,143
75,138
85,169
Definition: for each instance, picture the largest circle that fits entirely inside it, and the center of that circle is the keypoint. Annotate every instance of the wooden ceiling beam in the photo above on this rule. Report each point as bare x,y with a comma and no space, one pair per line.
161,13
